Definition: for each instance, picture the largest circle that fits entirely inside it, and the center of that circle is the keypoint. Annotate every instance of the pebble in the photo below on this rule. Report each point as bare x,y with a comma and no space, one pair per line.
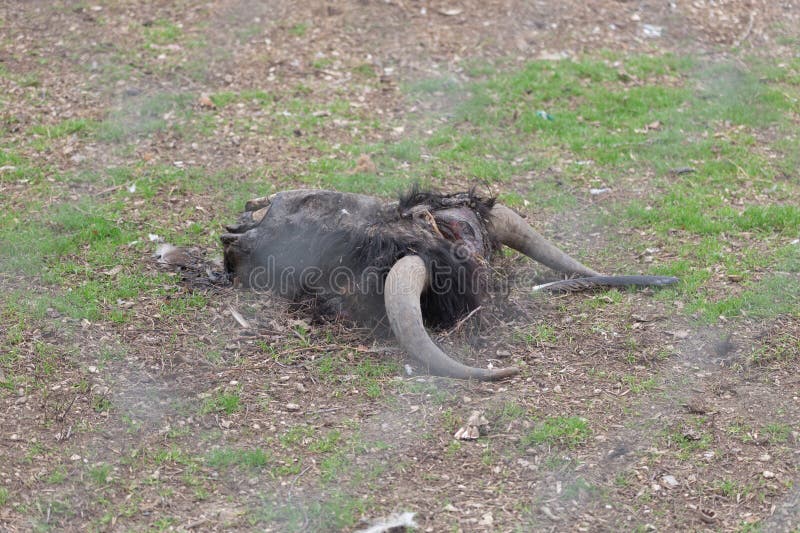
670,481
292,407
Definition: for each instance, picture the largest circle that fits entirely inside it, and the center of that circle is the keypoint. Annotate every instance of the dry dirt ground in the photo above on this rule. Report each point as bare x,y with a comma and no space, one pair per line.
131,431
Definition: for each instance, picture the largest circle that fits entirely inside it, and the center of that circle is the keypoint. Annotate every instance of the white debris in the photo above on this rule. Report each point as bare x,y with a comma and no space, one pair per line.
475,426
392,522
670,481
651,31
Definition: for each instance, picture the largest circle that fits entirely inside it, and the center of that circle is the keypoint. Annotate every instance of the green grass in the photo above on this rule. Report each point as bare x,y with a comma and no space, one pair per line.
778,432
325,444
564,431
222,402
639,385
334,511
162,32
371,374
144,116
689,445
100,474
228,457
64,128
299,29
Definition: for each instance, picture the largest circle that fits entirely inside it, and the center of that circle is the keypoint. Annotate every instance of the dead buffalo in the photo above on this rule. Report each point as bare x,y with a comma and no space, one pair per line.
422,260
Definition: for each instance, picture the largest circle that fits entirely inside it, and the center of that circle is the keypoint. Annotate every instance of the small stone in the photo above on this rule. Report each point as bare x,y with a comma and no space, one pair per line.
92,369
75,457
292,407
670,481
764,458
652,31
769,475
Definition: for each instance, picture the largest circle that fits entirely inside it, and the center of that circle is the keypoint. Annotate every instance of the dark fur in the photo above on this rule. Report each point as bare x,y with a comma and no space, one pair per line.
378,247
327,231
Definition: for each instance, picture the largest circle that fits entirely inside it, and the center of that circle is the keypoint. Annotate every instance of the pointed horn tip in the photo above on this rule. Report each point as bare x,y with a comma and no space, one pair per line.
501,373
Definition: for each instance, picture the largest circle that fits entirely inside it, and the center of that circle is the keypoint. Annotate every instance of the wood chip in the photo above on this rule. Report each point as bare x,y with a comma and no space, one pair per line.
239,318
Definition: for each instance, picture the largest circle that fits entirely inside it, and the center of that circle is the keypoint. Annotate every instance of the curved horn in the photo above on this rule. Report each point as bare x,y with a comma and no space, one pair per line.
512,230
404,284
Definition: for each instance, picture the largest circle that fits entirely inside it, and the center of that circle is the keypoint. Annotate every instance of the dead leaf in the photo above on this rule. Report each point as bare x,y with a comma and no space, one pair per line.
475,426
365,165
206,102
114,271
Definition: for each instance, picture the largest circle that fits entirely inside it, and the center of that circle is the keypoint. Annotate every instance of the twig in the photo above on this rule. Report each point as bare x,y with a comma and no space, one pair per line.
740,169
291,485
66,410
239,318
108,190
195,523
461,322
329,410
